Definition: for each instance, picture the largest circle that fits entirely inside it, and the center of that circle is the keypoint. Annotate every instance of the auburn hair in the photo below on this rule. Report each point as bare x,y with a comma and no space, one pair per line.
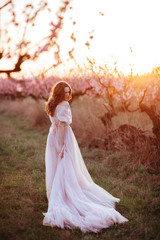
57,95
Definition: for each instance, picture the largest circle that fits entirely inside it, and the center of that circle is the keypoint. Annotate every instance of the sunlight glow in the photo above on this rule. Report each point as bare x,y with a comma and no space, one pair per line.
116,27
111,27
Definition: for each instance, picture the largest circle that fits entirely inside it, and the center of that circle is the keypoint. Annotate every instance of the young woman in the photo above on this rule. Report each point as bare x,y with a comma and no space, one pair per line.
74,200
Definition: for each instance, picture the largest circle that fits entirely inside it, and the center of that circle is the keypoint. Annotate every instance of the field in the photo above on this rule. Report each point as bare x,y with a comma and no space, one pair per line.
23,197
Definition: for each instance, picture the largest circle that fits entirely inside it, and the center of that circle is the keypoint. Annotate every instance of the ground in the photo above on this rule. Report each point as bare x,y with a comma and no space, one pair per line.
23,196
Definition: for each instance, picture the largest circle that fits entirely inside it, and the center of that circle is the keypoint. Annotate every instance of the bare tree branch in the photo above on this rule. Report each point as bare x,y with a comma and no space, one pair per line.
50,40
17,67
140,102
6,4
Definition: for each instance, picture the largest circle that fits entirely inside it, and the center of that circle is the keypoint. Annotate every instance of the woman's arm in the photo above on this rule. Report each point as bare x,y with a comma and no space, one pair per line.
61,135
65,118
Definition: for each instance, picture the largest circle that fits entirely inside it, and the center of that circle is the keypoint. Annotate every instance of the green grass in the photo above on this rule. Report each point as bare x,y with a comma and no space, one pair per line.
23,197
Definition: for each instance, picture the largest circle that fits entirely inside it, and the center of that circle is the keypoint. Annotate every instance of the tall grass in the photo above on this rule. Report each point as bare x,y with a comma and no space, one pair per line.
87,126
85,111
136,119
28,109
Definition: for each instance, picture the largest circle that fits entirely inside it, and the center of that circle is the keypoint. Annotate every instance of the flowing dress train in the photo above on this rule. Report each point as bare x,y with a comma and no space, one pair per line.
74,200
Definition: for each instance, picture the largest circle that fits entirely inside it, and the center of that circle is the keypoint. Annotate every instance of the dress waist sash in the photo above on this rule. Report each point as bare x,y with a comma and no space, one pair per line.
53,127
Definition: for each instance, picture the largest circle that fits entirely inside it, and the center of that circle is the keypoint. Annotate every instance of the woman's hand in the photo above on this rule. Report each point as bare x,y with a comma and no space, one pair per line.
61,153
61,136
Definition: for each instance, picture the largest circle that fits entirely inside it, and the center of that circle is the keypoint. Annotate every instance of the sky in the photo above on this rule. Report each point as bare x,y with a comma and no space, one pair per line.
117,26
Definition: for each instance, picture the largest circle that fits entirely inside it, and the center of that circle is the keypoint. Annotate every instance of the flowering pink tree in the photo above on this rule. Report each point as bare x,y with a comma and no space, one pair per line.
122,93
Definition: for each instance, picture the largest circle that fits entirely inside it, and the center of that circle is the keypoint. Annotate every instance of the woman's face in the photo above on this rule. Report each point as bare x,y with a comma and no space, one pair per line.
67,91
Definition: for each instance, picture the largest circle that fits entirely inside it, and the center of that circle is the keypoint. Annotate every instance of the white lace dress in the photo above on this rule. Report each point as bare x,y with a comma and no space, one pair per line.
74,200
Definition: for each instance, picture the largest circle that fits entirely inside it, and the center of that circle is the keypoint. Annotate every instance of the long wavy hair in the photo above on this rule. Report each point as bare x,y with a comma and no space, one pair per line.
57,95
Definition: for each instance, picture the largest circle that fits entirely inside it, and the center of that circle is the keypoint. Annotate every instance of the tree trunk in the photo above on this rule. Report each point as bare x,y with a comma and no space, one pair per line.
151,112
